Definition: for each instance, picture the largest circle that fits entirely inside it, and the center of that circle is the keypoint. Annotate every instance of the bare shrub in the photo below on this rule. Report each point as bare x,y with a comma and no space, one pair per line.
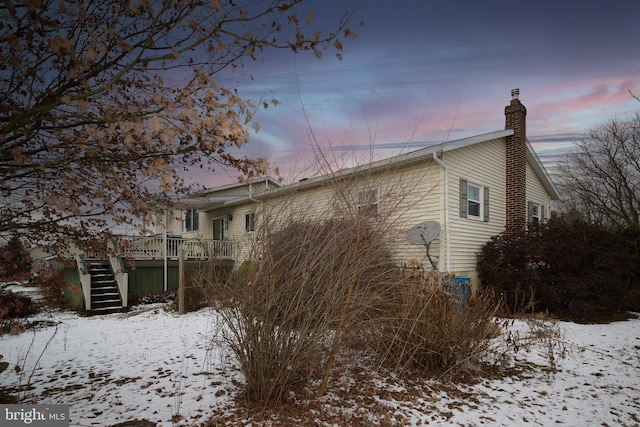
56,291
315,286
539,333
15,261
428,329
14,305
196,291
153,298
314,280
273,356
323,258
205,283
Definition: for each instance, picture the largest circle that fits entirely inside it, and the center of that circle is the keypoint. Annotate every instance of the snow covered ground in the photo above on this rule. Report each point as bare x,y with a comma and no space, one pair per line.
152,364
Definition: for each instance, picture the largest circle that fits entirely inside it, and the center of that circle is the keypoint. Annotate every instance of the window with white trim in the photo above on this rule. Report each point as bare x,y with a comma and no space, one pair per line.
535,214
367,202
249,222
474,201
190,220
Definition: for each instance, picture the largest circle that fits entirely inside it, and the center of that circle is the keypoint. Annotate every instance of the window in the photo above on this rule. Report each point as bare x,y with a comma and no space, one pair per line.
249,222
220,228
474,201
190,220
535,214
367,202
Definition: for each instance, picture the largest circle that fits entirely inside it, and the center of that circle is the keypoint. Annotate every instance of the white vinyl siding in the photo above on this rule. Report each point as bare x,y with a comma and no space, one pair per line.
174,223
413,195
537,195
481,164
405,197
410,195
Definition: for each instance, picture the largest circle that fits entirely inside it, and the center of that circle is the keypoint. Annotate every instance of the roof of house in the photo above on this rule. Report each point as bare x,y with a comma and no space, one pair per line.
221,196
411,158
238,185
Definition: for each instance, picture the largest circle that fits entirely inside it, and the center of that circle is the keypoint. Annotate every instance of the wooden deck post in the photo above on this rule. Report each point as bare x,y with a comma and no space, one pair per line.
181,281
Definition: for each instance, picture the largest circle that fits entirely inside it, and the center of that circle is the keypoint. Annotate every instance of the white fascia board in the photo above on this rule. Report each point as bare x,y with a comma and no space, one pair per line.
241,184
465,142
207,203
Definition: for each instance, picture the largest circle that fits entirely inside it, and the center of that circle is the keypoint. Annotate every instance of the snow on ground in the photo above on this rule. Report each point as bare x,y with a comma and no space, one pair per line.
155,365
598,383
151,364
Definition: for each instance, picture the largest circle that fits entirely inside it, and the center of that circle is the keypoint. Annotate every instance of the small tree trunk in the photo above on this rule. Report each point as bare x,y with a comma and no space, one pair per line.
336,342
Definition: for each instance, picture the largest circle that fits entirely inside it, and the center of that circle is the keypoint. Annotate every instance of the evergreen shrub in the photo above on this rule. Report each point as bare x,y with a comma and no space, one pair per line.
571,268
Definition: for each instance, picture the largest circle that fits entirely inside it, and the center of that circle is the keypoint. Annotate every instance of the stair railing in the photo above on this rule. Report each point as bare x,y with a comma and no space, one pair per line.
121,277
85,279
119,273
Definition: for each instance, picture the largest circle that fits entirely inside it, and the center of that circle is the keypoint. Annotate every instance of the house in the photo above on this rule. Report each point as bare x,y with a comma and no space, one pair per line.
139,265
474,188
471,189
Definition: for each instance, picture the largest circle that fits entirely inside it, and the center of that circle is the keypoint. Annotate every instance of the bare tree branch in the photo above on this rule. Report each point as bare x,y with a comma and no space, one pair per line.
601,180
105,103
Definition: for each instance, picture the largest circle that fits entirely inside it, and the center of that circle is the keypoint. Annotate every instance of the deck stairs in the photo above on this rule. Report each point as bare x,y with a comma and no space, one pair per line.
105,297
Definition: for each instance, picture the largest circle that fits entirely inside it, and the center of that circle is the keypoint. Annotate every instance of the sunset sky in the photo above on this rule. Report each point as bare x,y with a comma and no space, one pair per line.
424,72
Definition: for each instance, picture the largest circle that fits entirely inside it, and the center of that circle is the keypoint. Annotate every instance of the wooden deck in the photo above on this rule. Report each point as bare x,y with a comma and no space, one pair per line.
154,248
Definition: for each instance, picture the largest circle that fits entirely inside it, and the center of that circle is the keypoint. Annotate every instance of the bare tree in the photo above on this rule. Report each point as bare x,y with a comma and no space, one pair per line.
601,179
104,104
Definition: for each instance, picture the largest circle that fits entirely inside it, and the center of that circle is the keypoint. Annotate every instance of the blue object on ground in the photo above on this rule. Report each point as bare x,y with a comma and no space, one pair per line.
460,287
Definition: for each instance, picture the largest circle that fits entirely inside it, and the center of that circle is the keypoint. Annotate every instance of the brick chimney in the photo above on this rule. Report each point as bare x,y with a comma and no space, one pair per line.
516,167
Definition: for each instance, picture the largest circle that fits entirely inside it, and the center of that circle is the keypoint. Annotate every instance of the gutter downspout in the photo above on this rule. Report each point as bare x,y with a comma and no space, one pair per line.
446,209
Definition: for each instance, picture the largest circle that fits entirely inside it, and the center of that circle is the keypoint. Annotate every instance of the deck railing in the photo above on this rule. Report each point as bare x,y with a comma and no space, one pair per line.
153,248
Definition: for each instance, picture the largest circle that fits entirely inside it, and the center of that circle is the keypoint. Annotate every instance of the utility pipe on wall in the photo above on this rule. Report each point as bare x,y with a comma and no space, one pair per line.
446,209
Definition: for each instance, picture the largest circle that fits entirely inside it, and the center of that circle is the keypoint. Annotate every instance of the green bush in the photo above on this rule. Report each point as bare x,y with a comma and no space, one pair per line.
631,239
575,270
